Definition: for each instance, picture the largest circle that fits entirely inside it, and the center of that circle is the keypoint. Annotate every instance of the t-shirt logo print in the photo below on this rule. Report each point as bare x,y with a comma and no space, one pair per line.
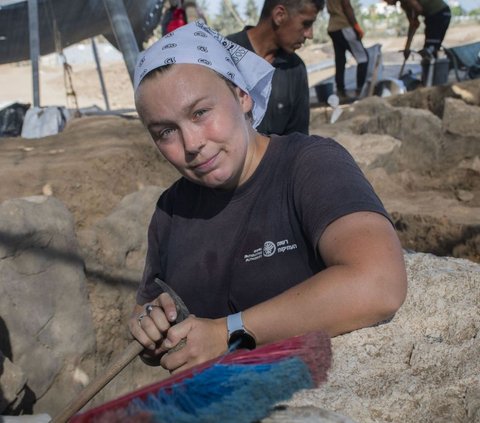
269,249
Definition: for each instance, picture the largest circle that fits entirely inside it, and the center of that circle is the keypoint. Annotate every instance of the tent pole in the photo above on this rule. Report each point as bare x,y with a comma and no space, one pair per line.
123,32
34,38
100,73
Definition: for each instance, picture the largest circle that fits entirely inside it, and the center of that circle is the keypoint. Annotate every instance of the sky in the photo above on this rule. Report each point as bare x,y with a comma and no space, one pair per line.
214,5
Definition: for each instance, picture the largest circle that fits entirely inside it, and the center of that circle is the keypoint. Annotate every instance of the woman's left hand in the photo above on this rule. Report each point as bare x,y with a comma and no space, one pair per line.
205,339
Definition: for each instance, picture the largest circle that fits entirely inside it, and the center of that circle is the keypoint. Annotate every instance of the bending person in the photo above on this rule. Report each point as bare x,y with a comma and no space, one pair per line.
275,236
437,17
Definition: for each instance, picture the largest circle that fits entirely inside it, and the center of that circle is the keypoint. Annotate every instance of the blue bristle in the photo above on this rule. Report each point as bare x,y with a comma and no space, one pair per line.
243,393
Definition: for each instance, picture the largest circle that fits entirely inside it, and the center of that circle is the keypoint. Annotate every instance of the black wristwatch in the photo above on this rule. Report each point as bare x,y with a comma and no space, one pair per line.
238,337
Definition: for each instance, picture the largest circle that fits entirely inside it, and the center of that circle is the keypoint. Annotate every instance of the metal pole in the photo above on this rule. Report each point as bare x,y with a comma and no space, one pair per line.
34,37
100,74
122,29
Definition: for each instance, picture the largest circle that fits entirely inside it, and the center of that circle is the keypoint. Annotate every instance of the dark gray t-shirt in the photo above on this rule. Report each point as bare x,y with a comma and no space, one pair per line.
223,252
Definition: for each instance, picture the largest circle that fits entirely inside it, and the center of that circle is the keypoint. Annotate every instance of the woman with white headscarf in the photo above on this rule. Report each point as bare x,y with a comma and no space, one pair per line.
262,237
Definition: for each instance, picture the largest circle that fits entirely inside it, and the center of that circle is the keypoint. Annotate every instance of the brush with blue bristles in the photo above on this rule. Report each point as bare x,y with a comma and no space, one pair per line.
245,384
241,385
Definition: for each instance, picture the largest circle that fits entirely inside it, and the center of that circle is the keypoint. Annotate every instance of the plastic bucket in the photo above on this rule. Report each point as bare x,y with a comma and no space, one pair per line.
323,91
441,68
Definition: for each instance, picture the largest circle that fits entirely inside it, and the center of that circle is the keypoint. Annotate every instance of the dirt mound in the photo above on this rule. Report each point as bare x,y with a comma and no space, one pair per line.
90,166
421,152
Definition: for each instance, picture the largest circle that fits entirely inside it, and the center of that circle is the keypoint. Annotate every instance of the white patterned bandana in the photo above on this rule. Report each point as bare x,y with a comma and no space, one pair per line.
199,44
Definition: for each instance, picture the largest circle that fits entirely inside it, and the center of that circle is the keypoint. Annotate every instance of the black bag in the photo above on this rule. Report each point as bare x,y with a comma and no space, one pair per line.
11,119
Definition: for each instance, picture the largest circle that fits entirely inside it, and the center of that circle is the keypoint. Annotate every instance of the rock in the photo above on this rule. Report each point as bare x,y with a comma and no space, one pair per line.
433,98
351,118
423,365
461,119
467,94
420,132
426,98
119,240
368,148
43,292
368,107
12,382
47,190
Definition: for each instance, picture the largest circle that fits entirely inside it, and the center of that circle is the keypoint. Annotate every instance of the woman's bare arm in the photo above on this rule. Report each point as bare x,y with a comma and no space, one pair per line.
365,282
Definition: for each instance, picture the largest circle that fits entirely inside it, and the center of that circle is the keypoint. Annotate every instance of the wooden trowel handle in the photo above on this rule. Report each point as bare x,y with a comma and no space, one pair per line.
132,350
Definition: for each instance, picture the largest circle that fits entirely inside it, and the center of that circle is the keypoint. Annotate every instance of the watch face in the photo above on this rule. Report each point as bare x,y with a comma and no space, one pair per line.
241,340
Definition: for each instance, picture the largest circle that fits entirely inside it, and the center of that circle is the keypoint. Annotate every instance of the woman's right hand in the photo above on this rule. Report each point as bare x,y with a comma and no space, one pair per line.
149,324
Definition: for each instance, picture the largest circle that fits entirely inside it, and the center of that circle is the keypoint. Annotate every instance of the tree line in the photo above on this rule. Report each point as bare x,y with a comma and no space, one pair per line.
230,19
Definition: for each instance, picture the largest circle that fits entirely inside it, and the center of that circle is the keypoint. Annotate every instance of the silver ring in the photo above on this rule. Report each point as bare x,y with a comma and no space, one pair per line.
149,308
139,319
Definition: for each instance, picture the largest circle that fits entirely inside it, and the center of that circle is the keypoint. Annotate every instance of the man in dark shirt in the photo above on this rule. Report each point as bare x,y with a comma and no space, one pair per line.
437,16
283,27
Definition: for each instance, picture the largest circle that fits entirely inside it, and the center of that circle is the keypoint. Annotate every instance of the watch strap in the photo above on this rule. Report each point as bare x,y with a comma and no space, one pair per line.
238,336
234,323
